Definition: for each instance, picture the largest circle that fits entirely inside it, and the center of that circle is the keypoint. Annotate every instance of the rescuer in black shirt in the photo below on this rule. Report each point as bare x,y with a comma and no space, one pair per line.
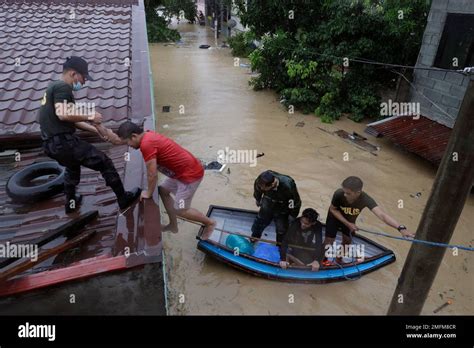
59,117
277,196
346,205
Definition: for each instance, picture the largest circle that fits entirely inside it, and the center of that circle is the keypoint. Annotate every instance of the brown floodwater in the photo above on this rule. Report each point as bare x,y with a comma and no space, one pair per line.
221,110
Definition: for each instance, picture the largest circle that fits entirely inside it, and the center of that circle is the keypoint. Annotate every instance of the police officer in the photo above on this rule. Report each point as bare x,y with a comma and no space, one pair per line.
58,119
278,199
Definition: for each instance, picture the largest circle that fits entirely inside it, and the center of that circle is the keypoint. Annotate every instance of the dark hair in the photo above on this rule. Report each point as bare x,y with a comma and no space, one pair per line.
266,178
128,128
311,214
353,183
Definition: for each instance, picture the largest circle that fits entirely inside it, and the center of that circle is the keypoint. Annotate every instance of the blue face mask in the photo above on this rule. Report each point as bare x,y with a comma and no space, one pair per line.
76,86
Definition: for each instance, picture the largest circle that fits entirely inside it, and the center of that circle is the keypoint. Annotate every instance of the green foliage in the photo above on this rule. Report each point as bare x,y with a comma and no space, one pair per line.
301,58
157,26
268,60
158,31
242,44
174,8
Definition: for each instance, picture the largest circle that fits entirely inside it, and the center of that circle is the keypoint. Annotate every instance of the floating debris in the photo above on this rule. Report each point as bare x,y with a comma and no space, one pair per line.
166,108
416,195
214,165
204,46
300,124
447,303
358,141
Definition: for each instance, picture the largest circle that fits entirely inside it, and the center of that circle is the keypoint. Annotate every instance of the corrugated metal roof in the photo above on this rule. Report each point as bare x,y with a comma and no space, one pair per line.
105,33
421,136
37,37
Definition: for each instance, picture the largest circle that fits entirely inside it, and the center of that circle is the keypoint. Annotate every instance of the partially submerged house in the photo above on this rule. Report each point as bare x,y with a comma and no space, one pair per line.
448,43
36,37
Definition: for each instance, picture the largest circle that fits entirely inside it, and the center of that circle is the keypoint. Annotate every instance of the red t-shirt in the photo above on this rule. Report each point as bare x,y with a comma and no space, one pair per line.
172,160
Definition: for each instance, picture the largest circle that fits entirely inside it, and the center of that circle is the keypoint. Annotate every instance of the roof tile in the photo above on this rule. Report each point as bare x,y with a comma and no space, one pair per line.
37,37
421,136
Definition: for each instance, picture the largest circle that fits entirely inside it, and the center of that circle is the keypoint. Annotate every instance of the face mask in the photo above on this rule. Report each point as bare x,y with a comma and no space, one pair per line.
76,86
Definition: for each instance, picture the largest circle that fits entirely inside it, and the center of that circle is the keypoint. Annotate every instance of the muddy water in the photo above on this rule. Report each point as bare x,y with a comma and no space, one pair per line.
220,110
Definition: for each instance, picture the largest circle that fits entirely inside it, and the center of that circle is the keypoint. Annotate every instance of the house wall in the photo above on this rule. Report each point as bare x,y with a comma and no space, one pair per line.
446,89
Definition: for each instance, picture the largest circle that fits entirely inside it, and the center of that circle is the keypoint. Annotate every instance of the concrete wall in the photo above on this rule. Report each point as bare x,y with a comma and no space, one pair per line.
446,89
137,291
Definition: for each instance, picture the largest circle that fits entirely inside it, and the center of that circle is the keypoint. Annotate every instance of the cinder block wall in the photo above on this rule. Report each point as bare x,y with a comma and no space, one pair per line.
446,89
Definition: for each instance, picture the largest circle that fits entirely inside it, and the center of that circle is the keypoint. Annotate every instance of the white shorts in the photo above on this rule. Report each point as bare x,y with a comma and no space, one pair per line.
183,192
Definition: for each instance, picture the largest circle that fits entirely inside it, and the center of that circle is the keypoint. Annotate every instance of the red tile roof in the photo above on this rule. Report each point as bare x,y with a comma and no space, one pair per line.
37,36
422,136
106,33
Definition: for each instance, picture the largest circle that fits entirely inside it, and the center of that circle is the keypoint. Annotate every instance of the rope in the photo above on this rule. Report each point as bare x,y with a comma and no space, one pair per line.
359,273
424,96
464,71
462,247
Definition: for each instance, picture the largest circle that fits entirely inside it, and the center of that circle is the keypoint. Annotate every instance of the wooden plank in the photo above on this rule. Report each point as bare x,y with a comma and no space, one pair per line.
68,229
80,270
45,254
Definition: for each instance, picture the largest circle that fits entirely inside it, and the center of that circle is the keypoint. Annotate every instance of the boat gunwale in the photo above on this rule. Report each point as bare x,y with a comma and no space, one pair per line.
290,279
385,251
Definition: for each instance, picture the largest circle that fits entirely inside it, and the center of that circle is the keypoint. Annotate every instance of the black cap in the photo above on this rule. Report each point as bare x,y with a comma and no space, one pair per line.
266,177
78,64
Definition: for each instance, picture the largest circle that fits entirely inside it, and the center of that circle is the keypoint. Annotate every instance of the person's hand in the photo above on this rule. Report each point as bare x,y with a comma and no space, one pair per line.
407,234
352,228
103,131
314,266
145,195
257,202
96,118
284,264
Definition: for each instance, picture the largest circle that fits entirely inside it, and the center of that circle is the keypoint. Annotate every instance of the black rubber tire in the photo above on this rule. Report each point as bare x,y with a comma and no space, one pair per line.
19,190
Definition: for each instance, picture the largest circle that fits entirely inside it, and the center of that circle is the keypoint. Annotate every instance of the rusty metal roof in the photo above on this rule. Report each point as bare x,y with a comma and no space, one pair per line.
421,136
111,35
36,38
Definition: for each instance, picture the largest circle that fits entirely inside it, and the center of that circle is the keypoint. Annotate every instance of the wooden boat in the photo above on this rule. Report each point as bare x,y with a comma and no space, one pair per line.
239,221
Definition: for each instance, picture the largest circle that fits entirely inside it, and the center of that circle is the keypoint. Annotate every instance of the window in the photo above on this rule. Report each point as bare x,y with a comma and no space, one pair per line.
456,42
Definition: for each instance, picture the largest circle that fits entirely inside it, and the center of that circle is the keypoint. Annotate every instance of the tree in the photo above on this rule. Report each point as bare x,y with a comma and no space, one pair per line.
321,36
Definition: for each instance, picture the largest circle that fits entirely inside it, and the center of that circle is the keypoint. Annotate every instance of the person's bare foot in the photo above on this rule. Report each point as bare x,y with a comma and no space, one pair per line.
169,228
208,230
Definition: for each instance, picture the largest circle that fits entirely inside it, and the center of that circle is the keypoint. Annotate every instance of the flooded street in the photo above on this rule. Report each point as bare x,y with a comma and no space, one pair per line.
221,110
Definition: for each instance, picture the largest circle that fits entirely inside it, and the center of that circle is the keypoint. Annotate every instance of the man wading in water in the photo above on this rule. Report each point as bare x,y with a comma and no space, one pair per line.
184,173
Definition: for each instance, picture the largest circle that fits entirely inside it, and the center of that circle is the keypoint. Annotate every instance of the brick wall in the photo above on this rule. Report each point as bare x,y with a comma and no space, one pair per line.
446,89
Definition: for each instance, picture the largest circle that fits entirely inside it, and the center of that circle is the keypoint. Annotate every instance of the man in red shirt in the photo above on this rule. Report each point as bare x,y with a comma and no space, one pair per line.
184,173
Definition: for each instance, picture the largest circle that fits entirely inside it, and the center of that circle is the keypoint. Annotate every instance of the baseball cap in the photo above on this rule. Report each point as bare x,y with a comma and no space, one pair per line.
78,64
